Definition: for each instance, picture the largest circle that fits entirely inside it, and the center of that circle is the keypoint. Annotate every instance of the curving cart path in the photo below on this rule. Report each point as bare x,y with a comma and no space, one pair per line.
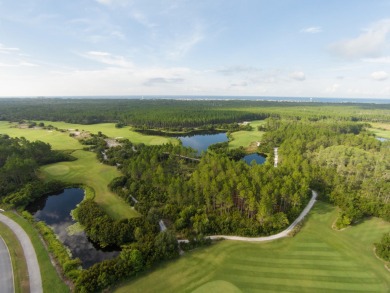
34,272
282,234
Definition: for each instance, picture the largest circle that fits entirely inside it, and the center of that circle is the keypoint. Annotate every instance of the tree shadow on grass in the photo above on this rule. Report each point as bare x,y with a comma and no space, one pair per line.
361,221
321,207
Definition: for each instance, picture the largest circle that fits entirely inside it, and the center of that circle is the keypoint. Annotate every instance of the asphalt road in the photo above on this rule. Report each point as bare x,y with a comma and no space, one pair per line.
6,275
34,272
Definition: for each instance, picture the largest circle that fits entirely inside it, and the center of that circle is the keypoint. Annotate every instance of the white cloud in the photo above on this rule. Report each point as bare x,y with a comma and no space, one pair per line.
239,84
114,2
142,19
7,50
385,59
18,64
238,69
109,59
105,2
312,30
298,75
179,48
163,81
379,75
369,43
332,89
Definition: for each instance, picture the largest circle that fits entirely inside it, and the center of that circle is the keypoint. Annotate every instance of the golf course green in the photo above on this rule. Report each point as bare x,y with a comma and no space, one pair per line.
317,259
247,139
88,171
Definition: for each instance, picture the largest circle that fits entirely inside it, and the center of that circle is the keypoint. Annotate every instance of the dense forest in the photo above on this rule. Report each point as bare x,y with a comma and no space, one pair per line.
180,114
19,161
216,195
346,164
325,147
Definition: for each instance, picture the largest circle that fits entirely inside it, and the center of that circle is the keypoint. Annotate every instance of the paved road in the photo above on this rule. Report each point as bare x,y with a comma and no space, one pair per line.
6,274
34,272
282,234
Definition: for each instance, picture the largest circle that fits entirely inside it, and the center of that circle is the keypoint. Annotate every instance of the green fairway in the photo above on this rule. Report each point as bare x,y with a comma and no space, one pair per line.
381,130
318,259
247,139
58,140
87,170
111,131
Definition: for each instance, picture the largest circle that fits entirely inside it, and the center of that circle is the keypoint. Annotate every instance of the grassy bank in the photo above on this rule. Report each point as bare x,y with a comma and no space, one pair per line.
318,259
18,260
87,170
51,282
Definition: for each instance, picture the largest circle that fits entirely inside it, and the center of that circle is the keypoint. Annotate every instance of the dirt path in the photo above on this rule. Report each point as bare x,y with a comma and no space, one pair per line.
29,252
282,234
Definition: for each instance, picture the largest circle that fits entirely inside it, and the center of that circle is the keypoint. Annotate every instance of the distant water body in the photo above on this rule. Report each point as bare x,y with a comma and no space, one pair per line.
241,98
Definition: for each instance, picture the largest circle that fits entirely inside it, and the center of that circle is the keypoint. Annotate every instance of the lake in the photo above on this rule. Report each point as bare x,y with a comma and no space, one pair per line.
55,210
259,159
203,141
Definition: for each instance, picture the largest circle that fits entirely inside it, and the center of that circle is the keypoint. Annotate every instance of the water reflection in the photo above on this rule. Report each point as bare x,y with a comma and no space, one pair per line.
202,142
55,210
259,159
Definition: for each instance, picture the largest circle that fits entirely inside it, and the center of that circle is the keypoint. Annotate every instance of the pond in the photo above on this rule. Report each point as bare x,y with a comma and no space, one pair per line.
259,159
203,141
55,210
382,139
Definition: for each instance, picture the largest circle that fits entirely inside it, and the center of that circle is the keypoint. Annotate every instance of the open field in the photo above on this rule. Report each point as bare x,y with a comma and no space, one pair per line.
318,259
247,139
87,170
51,282
112,132
381,129
58,140
17,258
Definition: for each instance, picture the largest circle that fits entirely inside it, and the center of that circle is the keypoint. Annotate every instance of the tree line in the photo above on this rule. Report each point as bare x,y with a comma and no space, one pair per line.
180,115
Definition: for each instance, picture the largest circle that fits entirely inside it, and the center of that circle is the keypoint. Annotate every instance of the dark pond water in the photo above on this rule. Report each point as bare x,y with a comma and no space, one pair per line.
55,210
259,159
202,142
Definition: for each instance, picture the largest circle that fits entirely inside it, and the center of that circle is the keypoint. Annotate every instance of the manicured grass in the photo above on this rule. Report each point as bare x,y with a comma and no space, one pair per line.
87,170
62,140
247,139
112,132
58,140
51,282
381,129
317,259
19,264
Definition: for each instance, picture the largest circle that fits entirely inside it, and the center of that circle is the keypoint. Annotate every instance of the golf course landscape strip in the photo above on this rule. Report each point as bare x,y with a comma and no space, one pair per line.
317,259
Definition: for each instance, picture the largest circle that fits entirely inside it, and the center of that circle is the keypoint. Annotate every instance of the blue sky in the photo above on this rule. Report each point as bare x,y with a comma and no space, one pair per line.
305,48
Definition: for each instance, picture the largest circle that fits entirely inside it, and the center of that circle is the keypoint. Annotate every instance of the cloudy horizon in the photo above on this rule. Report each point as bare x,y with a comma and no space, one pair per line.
177,47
